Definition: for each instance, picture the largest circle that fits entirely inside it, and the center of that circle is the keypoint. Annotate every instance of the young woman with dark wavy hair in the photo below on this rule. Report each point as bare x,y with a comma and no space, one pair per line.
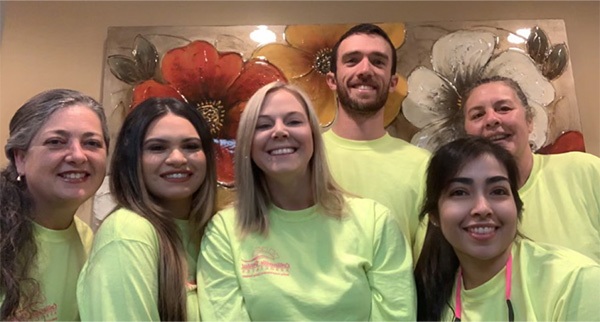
163,177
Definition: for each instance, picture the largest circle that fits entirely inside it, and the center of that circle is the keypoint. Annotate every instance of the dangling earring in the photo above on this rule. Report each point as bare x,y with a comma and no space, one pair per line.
19,178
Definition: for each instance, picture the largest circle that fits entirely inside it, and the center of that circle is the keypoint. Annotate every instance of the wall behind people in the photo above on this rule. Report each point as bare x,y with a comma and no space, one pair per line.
50,44
47,44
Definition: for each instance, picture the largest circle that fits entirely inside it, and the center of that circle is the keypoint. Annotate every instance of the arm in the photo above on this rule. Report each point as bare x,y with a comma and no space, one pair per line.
120,283
391,276
219,291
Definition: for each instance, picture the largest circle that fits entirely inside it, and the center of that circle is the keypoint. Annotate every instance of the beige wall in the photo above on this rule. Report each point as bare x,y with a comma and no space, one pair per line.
60,44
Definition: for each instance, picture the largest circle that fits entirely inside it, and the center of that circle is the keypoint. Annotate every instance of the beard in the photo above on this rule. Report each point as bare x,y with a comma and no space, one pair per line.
354,107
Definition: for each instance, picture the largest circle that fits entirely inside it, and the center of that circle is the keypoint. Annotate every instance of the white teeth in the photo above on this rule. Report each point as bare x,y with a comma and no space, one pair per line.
282,151
72,175
176,175
498,137
481,230
364,87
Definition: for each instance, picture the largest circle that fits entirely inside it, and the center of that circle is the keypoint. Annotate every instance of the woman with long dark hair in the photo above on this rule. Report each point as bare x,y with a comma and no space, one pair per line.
163,178
57,148
474,265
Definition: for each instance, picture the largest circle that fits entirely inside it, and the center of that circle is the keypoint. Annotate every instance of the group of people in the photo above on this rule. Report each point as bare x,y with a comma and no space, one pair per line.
352,224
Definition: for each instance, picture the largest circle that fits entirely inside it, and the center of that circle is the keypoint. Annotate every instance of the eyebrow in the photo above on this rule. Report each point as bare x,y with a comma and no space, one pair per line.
375,53
469,181
286,115
67,133
161,140
504,101
496,103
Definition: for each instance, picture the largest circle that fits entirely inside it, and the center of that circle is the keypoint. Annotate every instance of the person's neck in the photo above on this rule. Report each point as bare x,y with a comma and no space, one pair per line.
54,217
178,209
525,164
358,127
476,272
291,193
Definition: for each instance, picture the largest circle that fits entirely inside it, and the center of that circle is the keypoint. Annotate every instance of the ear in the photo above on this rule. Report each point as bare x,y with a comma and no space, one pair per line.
393,82
530,125
433,219
331,82
20,160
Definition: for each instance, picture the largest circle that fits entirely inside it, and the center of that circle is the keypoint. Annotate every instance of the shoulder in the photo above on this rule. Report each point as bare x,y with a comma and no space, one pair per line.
562,260
365,204
571,168
223,219
126,225
569,159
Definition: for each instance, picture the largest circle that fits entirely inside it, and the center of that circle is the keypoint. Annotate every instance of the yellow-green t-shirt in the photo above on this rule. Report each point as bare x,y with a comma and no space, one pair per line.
60,256
120,280
309,267
388,170
549,283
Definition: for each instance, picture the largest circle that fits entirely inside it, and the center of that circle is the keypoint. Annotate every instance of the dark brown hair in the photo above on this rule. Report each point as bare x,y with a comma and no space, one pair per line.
437,265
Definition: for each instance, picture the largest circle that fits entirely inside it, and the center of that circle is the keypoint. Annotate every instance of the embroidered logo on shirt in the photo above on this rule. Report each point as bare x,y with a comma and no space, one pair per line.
264,261
46,313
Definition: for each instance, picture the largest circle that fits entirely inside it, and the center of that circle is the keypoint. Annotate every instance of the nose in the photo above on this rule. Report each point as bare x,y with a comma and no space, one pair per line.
481,207
491,119
176,158
365,69
76,154
280,130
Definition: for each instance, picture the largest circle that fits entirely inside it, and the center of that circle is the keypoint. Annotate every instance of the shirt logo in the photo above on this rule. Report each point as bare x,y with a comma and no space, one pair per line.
264,261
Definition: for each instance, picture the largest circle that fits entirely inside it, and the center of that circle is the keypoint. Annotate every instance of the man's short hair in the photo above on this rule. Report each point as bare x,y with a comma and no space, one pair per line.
368,29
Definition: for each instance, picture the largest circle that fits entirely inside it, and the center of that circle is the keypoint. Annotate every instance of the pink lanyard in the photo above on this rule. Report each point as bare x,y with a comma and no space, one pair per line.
458,312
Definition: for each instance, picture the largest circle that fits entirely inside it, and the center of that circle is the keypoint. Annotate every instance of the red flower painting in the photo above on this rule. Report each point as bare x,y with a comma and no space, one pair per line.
219,84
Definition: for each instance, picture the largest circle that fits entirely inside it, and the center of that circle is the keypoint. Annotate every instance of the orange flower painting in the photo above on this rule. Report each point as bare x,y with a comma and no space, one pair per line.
305,60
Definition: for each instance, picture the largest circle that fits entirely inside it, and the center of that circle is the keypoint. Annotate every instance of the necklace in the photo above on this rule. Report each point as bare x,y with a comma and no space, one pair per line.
511,313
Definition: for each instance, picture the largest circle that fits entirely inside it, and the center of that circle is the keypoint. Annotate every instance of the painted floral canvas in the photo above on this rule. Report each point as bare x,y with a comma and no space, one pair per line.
218,68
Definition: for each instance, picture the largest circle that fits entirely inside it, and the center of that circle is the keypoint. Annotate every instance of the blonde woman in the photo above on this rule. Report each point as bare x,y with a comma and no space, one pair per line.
294,246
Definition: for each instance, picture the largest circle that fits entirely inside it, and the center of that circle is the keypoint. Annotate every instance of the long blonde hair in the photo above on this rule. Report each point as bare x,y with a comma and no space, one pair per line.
254,199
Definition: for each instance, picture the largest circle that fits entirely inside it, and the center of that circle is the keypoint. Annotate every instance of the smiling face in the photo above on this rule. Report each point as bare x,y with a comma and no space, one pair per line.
66,160
477,212
173,162
363,78
494,111
282,145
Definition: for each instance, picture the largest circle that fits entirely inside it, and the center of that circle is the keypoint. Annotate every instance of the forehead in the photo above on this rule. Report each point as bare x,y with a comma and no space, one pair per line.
171,124
483,166
71,118
364,43
491,92
282,101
